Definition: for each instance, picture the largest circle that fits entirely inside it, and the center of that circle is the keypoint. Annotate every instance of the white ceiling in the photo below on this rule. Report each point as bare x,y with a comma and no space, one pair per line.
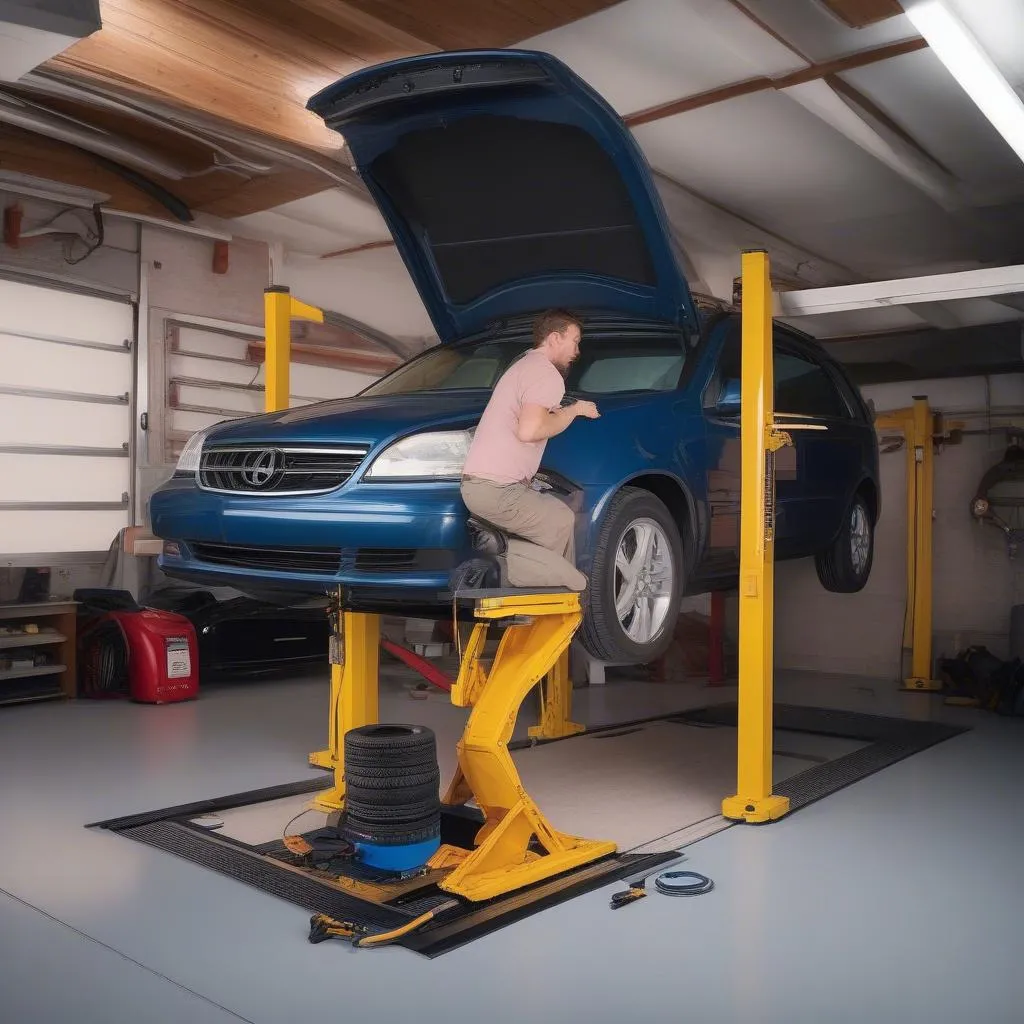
763,168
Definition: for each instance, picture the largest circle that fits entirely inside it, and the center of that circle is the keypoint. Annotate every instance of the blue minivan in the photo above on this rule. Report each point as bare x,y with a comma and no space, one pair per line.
510,187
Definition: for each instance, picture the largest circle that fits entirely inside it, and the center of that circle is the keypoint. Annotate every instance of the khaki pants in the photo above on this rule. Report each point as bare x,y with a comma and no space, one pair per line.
545,556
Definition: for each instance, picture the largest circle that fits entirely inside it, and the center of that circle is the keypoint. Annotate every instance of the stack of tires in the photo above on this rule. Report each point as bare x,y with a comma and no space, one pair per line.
392,802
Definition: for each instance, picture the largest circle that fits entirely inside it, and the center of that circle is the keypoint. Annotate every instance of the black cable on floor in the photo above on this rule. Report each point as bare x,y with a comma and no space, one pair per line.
683,883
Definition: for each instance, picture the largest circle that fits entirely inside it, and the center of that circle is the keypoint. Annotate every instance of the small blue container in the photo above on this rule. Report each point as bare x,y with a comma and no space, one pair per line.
406,857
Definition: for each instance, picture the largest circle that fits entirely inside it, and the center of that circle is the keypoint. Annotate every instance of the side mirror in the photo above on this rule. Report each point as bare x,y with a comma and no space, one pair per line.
728,403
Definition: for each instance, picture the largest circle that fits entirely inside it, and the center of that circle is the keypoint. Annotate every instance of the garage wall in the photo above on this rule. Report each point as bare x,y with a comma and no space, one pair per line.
372,286
114,266
202,327
975,582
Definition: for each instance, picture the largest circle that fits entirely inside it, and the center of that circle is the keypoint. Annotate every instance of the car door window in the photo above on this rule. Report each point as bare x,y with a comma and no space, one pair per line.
804,388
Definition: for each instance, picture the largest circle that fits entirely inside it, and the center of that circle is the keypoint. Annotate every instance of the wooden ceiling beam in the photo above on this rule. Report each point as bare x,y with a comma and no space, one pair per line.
365,247
812,73
861,13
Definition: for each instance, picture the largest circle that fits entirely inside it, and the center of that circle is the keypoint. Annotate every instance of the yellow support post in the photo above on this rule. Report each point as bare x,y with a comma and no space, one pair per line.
760,439
919,425
505,858
556,705
354,697
279,309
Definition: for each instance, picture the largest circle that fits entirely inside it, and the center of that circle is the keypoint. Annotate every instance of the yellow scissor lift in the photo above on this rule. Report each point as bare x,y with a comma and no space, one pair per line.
516,846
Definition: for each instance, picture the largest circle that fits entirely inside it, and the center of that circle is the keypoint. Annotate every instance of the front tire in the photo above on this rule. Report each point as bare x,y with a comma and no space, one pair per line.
636,581
844,568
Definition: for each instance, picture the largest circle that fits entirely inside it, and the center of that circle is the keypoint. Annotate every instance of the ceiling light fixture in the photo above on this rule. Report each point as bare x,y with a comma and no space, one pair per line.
975,71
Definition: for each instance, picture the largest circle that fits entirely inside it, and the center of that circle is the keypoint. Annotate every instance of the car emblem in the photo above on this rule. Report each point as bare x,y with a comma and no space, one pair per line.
261,467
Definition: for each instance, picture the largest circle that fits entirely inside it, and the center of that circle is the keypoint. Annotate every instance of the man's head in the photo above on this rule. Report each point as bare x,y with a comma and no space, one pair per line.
558,333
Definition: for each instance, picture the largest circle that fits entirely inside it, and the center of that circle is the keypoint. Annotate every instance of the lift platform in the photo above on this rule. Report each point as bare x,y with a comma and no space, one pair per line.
516,845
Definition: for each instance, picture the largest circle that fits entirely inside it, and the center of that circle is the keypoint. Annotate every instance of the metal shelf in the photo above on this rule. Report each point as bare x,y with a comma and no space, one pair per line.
40,639
25,673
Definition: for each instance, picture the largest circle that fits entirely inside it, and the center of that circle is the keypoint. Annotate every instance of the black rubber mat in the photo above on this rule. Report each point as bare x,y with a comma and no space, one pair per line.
889,740
171,830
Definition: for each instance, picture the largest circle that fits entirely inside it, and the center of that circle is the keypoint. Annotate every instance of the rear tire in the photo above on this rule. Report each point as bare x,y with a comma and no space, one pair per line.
844,568
632,515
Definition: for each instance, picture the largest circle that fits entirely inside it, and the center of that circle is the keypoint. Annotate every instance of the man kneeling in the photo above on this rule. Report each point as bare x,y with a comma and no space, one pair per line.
523,412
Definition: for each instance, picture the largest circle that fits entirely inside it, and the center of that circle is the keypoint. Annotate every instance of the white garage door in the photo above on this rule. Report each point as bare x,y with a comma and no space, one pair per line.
66,381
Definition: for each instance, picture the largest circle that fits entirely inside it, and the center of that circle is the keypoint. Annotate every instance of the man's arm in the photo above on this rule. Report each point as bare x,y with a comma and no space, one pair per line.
538,424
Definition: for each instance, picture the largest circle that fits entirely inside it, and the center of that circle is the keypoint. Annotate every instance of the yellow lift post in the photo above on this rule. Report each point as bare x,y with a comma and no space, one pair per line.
534,649
921,428
761,436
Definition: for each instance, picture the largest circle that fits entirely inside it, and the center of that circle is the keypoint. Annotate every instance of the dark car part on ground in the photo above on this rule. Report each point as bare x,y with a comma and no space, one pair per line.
246,635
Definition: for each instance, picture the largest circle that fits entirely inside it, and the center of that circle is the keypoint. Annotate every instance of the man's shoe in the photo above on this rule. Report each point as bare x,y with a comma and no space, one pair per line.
480,573
485,538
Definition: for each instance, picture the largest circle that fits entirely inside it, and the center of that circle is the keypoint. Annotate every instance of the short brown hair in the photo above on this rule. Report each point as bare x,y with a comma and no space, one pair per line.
553,321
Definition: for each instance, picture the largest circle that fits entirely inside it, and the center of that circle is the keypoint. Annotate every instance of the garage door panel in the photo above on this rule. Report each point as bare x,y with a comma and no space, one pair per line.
32,310
28,362
33,531
64,478
50,422
184,422
211,369
212,343
66,378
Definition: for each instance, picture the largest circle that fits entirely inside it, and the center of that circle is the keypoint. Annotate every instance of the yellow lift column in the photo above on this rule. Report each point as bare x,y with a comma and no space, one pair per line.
540,628
355,637
921,428
279,309
760,439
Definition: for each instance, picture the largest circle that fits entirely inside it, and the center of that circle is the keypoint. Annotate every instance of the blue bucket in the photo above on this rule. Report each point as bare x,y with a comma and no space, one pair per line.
406,857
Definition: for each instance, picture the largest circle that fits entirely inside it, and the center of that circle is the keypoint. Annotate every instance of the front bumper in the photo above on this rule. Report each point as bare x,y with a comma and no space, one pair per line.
389,542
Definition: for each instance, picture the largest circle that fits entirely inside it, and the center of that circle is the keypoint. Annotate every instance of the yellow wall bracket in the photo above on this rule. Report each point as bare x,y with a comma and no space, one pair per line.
532,646
760,439
279,309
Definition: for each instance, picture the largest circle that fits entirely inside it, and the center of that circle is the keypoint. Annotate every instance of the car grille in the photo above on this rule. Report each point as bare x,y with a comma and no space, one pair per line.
385,560
265,469
320,561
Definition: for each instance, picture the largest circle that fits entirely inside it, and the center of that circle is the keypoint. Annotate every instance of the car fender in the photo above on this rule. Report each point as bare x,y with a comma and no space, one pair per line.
693,516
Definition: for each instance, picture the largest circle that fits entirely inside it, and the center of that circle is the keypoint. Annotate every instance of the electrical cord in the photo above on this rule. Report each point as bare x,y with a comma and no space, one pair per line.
683,883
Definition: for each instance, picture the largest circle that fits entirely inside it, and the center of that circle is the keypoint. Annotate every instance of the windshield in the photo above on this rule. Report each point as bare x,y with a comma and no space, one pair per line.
606,366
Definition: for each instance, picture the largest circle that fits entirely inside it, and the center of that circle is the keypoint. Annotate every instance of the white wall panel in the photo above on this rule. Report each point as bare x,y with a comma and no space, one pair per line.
90,360
45,421
35,531
28,362
27,309
63,478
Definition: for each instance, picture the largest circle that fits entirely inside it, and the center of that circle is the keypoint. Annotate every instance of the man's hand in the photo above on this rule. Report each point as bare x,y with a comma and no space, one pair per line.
538,424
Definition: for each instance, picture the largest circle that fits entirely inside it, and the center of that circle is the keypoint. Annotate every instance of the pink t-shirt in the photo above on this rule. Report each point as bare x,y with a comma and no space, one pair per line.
496,452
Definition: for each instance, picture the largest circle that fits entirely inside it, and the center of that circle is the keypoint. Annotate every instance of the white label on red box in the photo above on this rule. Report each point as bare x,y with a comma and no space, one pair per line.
179,659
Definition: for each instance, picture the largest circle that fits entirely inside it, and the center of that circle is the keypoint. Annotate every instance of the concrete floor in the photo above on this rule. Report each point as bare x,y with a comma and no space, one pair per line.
897,899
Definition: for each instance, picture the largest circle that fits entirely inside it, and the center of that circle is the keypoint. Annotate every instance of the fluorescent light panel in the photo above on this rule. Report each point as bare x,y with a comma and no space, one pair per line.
972,67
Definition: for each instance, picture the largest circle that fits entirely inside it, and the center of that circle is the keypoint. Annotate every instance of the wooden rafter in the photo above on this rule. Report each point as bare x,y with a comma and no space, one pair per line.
860,13
812,73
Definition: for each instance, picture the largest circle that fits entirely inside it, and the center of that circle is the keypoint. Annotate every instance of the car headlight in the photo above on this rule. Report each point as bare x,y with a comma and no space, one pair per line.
434,456
188,460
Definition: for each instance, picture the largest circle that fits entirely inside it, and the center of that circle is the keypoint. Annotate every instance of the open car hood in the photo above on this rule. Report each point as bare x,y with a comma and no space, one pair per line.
509,186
